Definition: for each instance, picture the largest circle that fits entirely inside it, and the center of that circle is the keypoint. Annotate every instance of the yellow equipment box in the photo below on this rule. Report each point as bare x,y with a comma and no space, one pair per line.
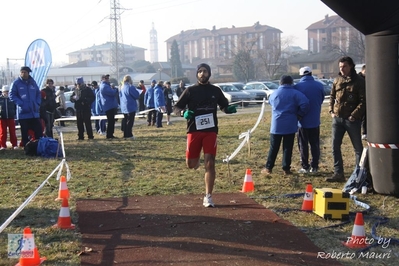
331,203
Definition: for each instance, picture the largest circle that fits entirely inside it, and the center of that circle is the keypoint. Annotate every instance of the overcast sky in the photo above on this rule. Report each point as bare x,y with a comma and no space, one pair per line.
71,25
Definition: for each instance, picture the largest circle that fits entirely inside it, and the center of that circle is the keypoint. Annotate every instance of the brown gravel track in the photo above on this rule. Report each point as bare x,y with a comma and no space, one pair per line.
178,230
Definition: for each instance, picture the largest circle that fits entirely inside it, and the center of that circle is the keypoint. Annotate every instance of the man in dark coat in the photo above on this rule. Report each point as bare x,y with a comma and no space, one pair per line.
83,97
48,106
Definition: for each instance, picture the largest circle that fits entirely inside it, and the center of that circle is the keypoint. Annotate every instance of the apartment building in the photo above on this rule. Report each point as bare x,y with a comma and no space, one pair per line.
223,43
335,34
328,40
103,53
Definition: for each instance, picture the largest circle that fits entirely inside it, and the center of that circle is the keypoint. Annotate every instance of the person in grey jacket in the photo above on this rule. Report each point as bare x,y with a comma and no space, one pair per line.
60,101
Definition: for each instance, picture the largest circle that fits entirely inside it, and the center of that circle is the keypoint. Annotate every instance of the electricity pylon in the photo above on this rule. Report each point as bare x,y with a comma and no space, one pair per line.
117,46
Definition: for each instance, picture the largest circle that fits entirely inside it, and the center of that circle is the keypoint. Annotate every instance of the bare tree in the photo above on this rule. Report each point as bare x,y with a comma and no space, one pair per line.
271,60
243,66
251,61
357,46
242,52
352,44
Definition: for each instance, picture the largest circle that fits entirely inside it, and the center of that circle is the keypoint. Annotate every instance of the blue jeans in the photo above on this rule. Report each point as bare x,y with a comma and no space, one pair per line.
339,127
288,144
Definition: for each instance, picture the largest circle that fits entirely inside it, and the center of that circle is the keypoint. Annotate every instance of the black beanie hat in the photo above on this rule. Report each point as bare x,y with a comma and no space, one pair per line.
206,66
286,79
26,68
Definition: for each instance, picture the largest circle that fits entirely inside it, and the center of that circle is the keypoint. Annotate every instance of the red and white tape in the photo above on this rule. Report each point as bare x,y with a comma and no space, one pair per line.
384,146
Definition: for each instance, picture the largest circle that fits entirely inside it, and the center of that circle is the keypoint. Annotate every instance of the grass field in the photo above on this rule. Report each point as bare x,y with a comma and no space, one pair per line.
154,164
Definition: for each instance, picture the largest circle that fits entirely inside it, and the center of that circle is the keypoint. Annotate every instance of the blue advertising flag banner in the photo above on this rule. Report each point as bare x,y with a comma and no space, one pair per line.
38,58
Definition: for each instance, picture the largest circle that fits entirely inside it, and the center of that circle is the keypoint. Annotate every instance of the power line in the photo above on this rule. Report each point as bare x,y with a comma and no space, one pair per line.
157,8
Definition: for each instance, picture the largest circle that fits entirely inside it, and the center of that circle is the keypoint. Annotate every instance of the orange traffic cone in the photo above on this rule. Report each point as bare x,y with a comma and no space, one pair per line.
63,191
64,219
307,204
358,238
248,185
29,253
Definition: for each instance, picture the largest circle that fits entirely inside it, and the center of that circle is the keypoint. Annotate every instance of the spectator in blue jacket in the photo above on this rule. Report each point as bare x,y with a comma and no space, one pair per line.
149,103
97,110
109,103
128,96
288,106
309,125
27,96
159,103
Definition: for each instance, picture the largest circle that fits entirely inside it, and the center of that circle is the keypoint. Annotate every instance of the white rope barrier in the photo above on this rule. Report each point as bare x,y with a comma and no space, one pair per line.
102,117
29,199
247,135
26,202
64,162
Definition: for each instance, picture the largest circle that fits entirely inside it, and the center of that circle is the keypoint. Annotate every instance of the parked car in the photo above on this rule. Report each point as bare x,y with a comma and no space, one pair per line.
233,94
258,95
66,88
329,83
268,86
327,88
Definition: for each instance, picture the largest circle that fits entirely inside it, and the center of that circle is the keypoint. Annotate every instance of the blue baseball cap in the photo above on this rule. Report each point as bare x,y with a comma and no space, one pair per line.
79,80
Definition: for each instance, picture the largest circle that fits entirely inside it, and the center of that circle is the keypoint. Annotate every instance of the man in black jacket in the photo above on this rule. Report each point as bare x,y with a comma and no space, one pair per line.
48,106
179,91
180,88
83,97
202,101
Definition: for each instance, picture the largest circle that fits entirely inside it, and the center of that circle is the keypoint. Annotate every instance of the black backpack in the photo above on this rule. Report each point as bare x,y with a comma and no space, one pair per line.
31,147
